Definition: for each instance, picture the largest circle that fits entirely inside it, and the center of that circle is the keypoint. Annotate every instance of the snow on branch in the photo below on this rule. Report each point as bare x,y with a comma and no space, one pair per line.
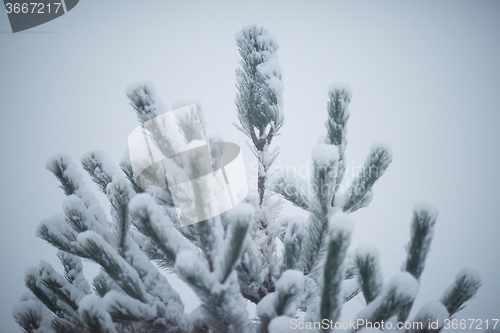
72,182
96,248
241,218
284,301
149,219
399,291
338,114
223,307
422,232
432,312
143,100
100,169
119,193
286,188
73,271
463,289
259,99
292,242
59,234
93,313
360,191
339,235
28,314
369,273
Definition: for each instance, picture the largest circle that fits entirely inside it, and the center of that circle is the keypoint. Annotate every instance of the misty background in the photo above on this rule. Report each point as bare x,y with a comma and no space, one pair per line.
425,78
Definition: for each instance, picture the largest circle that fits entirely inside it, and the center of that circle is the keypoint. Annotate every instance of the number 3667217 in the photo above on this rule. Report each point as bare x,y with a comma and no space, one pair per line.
32,7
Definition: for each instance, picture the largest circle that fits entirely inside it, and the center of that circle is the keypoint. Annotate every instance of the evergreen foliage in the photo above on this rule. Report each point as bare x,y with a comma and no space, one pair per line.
285,266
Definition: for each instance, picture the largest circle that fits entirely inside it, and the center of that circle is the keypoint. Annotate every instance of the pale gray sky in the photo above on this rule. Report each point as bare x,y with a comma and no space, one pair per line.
425,78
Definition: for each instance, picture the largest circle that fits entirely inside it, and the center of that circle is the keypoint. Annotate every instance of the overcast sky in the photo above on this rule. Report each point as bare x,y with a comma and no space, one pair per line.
425,78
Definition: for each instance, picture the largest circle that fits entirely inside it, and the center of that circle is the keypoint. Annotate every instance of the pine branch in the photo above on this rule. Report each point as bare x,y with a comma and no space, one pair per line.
336,125
28,314
59,234
400,290
63,290
156,255
127,170
116,267
337,242
324,176
464,288
259,98
351,294
119,194
432,312
258,81
45,295
148,218
99,169
223,308
94,314
292,243
283,301
143,101
102,283
207,241
63,168
80,217
72,183
313,242
122,308
290,192
369,273
422,232
250,273
61,325
241,218
360,191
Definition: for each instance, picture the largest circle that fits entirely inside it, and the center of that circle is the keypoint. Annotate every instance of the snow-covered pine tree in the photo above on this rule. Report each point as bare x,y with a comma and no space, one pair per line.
230,259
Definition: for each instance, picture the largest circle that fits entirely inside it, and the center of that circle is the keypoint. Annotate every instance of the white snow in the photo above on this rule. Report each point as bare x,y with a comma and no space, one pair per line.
322,139
431,210
93,305
162,225
74,205
85,238
325,155
341,198
367,250
404,284
339,86
289,281
381,146
115,301
107,167
72,173
265,37
280,324
432,311
28,306
135,86
272,72
189,261
469,274
340,222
